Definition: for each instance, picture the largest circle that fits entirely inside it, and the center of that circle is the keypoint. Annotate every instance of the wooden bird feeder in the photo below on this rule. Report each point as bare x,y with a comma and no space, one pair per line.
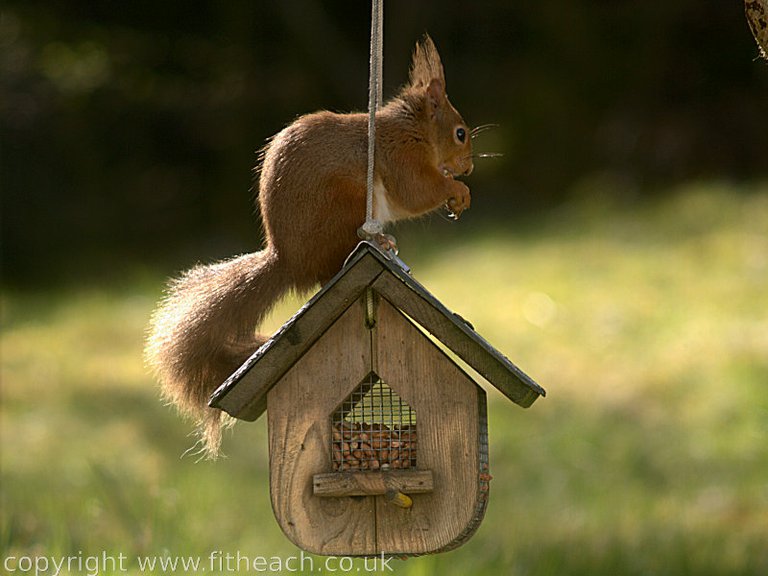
378,439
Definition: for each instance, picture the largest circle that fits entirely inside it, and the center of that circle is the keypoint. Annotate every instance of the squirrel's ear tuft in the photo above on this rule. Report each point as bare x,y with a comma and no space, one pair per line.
426,65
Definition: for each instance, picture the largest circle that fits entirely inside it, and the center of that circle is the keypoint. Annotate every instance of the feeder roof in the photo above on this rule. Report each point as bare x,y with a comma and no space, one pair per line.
244,394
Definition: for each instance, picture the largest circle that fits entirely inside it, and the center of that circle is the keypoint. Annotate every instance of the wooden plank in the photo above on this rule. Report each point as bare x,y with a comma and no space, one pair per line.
372,483
481,502
299,417
243,395
446,402
483,347
457,336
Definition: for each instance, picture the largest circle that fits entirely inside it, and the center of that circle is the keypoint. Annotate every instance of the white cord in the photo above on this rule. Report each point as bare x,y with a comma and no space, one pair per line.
372,226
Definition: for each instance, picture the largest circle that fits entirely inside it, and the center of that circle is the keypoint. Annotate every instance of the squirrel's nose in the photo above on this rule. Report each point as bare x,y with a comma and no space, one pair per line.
468,171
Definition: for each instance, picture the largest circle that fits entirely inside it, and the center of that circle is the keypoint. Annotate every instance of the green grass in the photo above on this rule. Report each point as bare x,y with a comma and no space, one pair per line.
647,324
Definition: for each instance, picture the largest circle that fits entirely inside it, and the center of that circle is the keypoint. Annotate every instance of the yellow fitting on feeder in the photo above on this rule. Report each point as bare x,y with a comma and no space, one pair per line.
398,498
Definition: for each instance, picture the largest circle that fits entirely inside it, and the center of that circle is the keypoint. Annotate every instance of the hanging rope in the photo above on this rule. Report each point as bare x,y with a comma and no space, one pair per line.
372,226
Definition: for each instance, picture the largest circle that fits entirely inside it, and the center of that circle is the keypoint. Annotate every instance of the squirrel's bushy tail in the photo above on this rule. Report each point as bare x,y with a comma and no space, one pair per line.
205,328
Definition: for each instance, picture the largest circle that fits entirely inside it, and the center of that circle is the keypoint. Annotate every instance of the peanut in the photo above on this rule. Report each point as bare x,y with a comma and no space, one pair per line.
373,446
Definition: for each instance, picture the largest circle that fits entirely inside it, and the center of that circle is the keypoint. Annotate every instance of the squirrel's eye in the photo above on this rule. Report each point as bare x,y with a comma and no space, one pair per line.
461,134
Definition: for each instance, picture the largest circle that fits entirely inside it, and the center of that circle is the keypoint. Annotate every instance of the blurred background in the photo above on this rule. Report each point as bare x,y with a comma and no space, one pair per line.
130,129
619,249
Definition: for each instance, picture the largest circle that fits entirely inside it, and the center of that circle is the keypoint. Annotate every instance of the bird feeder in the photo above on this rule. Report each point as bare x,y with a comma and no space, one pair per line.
378,439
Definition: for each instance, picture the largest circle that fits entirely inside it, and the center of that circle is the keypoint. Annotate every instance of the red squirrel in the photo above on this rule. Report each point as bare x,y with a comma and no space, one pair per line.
312,196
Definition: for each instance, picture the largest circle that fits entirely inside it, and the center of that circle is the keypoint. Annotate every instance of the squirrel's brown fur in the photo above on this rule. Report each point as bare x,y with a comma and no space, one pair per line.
312,195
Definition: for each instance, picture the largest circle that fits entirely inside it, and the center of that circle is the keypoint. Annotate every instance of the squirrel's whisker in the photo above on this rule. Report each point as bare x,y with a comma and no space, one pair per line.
480,129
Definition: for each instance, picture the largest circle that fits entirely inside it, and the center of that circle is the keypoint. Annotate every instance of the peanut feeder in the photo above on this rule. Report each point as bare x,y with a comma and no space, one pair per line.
378,438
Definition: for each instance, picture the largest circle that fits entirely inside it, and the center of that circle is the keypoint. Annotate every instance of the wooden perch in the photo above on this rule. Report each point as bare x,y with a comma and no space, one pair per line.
336,484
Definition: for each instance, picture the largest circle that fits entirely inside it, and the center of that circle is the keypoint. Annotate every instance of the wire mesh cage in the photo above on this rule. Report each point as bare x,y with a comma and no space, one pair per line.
374,429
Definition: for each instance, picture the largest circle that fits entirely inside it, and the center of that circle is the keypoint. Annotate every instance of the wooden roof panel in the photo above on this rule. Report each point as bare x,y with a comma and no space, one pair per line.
243,395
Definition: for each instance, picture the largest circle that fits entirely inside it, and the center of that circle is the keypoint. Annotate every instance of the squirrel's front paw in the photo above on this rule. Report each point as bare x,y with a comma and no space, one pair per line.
459,201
